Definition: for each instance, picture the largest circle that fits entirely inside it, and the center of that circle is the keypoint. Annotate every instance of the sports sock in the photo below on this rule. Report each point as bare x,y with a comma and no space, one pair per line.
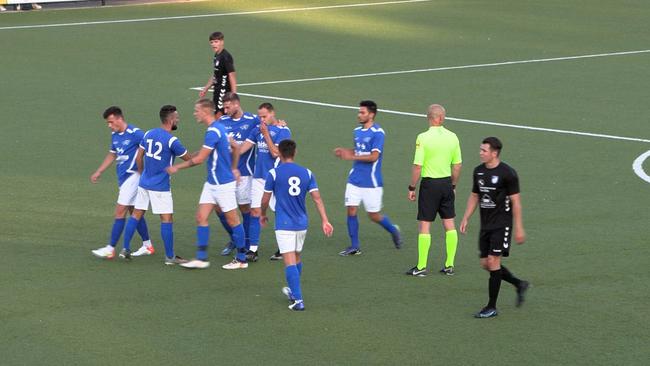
493,288
167,235
143,230
225,225
386,224
202,238
129,230
424,243
293,280
507,276
118,226
353,231
247,225
299,266
451,241
254,232
238,236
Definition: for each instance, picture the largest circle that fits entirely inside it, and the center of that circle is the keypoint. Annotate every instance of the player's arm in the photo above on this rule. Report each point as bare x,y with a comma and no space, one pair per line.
108,160
247,145
198,159
232,78
207,86
266,198
328,229
235,157
273,148
416,170
520,234
455,174
472,203
139,156
342,151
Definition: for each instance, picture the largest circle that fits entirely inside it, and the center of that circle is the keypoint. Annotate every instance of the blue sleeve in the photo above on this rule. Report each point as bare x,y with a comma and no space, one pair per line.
211,139
284,134
312,183
138,135
378,142
111,148
177,148
270,181
252,137
142,141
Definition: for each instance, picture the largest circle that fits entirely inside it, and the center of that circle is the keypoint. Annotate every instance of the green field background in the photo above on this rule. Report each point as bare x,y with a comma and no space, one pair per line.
585,210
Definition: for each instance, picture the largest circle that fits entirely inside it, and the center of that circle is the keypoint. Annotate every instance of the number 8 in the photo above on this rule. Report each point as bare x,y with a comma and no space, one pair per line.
294,189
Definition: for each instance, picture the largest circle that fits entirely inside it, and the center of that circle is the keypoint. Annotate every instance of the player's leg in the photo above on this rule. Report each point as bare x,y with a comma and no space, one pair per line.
222,218
129,231
244,203
372,201
162,204
206,206
257,191
520,285
290,244
352,201
490,252
427,208
225,196
447,214
119,221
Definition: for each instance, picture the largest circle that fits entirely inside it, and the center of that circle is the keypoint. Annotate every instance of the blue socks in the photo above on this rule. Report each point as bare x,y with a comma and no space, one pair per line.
167,234
353,230
143,230
202,237
254,231
293,280
131,226
239,239
386,224
225,225
118,226
247,221
299,266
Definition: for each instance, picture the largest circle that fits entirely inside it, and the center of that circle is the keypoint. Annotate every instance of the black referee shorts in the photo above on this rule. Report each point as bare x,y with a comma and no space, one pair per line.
436,196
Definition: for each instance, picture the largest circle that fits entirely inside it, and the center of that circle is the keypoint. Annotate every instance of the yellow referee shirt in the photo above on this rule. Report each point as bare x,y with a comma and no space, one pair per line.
436,151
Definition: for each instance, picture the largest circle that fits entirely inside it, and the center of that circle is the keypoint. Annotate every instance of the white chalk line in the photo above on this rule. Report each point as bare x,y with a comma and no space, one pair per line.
253,12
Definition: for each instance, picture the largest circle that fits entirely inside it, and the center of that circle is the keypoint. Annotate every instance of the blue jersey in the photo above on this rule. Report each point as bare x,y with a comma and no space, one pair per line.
239,129
220,160
366,174
264,160
290,183
124,145
160,149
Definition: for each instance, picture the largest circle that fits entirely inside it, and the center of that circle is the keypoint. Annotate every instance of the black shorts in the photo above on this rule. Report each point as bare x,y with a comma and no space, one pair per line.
436,196
217,98
495,242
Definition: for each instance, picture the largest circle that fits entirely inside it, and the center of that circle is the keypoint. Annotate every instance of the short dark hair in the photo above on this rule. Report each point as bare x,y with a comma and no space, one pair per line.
113,110
231,97
268,106
216,35
495,144
166,111
205,103
370,105
287,148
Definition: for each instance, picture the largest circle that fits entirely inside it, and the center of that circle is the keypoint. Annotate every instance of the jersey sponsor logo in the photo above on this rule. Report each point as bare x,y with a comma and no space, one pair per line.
486,202
495,179
120,151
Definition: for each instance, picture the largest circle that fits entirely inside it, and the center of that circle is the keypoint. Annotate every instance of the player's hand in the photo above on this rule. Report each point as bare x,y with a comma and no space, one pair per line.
95,177
203,92
411,196
328,229
264,128
520,235
337,152
463,226
264,220
237,174
282,123
345,154
171,169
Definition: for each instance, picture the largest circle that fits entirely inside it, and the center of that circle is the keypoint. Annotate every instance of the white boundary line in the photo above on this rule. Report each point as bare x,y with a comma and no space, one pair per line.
637,166
448,68
268,11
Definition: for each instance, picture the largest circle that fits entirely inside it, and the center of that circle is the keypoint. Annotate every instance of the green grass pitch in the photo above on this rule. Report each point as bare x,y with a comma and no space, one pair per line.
585,210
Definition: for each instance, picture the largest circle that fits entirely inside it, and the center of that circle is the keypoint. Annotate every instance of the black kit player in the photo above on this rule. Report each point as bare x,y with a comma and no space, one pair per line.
496,191
223,78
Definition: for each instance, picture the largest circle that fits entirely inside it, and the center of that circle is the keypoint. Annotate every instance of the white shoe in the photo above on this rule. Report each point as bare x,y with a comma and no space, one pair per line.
36,6
107,252
235,264
195,264
144,250
19,7
2,8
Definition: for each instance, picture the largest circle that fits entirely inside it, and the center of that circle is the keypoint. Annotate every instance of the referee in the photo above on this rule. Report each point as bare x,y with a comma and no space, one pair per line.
495,191
438,161
223,78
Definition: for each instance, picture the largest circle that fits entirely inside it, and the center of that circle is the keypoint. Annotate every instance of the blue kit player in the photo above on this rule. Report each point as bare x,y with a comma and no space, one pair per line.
289,183
265,138
365,184
219,188
157,151
125,139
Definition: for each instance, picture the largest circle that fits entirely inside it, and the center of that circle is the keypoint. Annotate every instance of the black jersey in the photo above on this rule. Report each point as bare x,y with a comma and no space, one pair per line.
223,65
494,186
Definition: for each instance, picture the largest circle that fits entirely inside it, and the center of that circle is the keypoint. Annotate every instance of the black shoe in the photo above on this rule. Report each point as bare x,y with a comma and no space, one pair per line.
521,292
417,272
449,271
397,237
486,313
251,256
276,257
349,251
125,254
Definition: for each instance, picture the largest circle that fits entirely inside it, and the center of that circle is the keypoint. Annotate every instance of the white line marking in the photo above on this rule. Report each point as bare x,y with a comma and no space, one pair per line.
637,166
447,68
479,122
268,11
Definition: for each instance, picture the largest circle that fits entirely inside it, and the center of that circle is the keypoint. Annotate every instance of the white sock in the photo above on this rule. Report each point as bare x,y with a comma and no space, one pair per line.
146,243
253,248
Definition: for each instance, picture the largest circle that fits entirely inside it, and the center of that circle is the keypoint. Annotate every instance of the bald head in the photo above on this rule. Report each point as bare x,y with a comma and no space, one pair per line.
436,114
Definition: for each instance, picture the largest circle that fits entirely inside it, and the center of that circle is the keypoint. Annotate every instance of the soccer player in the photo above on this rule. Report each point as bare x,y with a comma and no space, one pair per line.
290,182
365,183
438,162
238,126
157,151
125,139
219,188
495,190
266,138
223,78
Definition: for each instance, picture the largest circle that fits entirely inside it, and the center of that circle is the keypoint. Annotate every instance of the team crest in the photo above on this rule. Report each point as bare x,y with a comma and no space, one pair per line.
366,139
126,142
495,179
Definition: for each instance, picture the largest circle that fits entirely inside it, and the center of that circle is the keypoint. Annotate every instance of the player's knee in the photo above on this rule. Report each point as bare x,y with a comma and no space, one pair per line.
352,211
375,216
201,219
232,218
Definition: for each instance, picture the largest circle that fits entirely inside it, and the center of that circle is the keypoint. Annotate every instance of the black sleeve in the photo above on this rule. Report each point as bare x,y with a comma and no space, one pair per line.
512,183
229,64
474,183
